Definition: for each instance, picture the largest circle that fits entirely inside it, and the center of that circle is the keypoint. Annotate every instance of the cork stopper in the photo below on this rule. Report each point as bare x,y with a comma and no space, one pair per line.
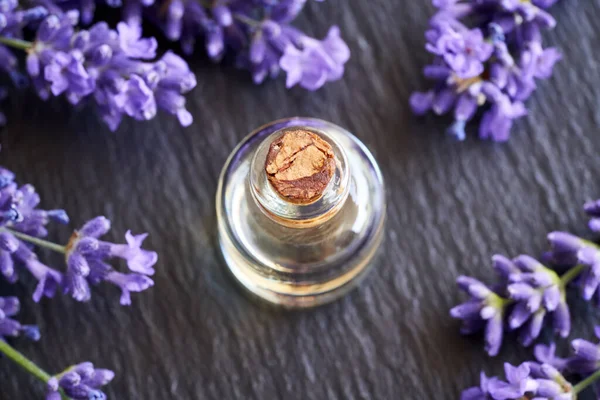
299,166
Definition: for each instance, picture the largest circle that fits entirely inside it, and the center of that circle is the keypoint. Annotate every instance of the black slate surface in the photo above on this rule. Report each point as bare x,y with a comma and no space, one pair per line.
451,206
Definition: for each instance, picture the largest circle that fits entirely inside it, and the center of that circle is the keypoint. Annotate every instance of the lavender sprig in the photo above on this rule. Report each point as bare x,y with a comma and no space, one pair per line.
526,381
108,67
85,255
549,377
492,65
79,382
530,294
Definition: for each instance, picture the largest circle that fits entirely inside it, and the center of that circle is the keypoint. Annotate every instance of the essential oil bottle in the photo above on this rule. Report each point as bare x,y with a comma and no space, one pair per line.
301,212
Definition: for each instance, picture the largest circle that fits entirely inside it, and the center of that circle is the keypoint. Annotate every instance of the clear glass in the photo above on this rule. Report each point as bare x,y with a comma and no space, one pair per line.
300,255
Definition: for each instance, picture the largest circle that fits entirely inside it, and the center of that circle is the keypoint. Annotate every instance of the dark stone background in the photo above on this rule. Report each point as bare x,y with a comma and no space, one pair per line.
451,206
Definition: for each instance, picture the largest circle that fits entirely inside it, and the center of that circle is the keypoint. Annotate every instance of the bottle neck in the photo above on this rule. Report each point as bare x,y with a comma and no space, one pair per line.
291,214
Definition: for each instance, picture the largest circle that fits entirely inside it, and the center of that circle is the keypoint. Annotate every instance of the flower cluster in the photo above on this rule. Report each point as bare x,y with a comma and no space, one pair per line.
109,66
80,382
549,377
530,294
529,380
494,64
257,33
85,255
112,68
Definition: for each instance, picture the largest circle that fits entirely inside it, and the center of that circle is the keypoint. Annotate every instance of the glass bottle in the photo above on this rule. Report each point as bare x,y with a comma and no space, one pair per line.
300,254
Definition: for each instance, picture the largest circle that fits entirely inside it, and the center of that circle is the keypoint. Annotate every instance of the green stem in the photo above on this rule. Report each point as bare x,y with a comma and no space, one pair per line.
24,362
27,365
570,275
587,243
16,43
586,382
37,241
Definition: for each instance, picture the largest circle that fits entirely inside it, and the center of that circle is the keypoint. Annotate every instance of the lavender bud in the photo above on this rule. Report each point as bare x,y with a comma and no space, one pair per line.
69,379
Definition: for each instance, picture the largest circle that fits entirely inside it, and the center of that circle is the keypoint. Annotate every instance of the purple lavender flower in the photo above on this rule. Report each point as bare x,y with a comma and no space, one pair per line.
505,268
8,207
564,247
86,257
552,384
85,243
31,221
258,34
497,122
546,354
592,208
82,381
590,277
572,250
485,309
586,358
85,254
13,19
108,66
316,62
514,78
532,293
481,392
518,382
527,297
493,65
527,16
544,383
539,62
111,69
537,292
463,50
9,307
49,280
